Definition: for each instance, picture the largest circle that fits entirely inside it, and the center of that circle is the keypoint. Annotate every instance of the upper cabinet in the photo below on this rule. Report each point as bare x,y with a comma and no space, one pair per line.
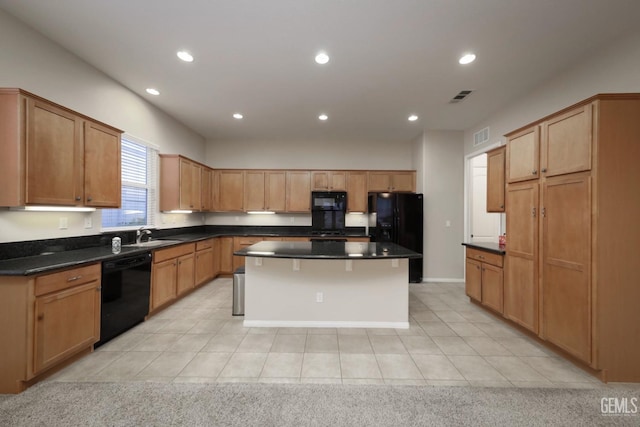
557,146
495,179
51,155
329,180
566,142
264,191
356,191
384,181
523,155
185,192
298,191
229,190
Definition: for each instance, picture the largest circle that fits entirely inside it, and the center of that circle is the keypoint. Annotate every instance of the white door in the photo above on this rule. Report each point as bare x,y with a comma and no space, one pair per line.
485,226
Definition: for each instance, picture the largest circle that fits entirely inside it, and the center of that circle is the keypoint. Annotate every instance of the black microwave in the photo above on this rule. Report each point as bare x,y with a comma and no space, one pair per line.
329,201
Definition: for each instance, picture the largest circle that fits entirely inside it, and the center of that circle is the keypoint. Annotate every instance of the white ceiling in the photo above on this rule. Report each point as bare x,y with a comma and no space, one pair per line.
389,58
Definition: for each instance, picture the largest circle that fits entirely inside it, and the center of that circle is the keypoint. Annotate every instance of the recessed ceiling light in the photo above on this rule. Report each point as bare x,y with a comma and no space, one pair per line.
322,58
467,59
185,56
237,116
152,91
323,117
413,118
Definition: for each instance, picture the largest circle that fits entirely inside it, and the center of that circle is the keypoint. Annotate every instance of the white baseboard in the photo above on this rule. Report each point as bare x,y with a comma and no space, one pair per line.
322,324
441,280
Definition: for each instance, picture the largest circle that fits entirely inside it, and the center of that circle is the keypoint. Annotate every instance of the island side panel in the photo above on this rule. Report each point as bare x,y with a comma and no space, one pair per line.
374,293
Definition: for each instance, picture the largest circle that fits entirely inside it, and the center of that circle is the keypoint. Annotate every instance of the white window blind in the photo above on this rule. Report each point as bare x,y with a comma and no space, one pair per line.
139,176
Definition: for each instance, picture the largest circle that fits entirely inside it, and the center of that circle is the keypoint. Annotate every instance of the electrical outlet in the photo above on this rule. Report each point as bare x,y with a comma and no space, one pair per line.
88,221
63,223
319,297
447,223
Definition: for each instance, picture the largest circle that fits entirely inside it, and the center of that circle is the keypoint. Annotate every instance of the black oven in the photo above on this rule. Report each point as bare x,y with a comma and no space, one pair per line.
328,209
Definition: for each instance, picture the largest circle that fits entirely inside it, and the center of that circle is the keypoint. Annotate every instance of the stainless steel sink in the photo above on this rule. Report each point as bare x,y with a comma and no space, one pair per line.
151,243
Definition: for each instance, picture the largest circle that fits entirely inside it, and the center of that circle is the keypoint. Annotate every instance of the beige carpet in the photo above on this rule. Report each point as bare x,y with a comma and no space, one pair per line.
158,404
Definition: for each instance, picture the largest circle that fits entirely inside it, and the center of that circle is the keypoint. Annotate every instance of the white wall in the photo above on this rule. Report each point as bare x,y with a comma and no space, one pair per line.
615,68
34,63
439,160
309,154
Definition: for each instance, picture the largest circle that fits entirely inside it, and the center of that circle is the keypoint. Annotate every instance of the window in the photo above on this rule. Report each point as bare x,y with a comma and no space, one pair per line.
139,164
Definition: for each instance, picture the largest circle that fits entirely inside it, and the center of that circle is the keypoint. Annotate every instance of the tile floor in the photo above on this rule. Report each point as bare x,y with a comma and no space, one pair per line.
450,342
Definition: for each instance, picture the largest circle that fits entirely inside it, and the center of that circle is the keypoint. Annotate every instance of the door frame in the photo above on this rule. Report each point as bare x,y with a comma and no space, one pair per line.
467,186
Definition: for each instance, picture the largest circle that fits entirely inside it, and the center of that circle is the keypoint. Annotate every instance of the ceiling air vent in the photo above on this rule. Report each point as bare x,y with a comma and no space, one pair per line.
481,136
460,96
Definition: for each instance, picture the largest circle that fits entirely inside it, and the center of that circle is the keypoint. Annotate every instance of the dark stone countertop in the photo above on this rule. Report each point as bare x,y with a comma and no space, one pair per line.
72,256
327,250
27,266
487,246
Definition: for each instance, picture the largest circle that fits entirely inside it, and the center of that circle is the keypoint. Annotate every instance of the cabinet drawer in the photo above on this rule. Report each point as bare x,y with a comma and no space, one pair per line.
241,242
66,279
487,257
174,252
204,244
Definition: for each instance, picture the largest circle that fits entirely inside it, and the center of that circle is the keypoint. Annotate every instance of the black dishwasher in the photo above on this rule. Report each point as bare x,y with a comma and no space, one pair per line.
126,284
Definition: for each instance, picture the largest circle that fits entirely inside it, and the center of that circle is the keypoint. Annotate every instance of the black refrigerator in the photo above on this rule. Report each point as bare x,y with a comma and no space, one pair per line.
397,218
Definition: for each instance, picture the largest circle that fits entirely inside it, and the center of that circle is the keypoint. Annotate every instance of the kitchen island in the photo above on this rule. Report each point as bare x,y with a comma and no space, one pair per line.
327,284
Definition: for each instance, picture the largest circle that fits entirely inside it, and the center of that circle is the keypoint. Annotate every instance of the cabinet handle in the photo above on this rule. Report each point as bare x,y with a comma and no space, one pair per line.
74,278
40,316
543,170
533,212
78,199
481,256
535,172
544,212
89,199
501,206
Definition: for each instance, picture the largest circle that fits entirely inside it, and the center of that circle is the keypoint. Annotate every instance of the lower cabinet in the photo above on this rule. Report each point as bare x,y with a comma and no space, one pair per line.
47,320
484,278
172,274
226,255
204,268
241,243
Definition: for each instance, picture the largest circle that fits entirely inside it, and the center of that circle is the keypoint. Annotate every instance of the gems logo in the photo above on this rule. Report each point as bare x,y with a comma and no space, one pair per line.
619,406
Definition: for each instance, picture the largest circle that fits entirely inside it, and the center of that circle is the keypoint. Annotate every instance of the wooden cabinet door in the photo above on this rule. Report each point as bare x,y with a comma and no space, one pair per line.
379,182
298,191
216,269
163,282
338,181
204,266
102,164
328,181
566,264
276,191
54,156
320,180
403,181
492,287
357,192
566,142
186,273
473,279
230,190
241,243
189,185
226,255
254,190
523,155
495,180
205,190
521,261
65,323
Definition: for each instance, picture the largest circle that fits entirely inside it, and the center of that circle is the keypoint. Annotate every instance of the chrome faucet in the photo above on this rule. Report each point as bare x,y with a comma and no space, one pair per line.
141,232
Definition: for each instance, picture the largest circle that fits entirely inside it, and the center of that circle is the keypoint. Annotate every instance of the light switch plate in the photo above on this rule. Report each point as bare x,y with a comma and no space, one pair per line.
88,221
63,223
